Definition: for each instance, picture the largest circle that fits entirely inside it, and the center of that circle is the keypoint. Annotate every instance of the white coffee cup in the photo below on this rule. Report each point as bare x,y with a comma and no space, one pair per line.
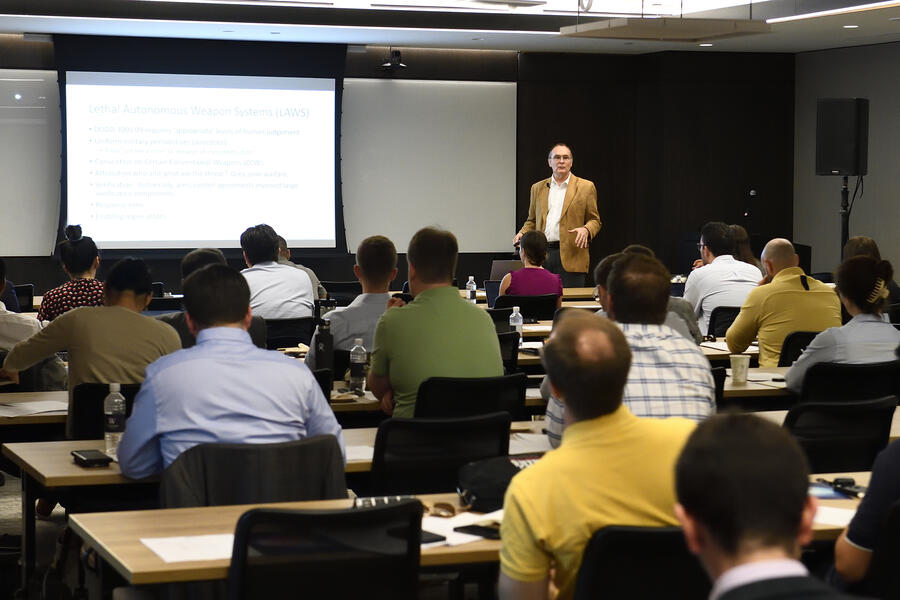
739,365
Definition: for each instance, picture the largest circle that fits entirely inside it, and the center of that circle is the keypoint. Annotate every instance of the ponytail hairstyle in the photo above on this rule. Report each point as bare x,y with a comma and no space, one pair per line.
77,252
863,280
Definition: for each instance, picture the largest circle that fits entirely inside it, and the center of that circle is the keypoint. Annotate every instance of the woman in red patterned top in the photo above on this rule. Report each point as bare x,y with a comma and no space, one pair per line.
80,260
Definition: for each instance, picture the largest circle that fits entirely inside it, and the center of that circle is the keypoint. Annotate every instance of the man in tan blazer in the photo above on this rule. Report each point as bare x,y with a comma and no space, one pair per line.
564,207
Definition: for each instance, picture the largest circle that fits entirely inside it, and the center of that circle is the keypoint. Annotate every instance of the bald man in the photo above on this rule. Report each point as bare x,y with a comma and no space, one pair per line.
786,300
612,467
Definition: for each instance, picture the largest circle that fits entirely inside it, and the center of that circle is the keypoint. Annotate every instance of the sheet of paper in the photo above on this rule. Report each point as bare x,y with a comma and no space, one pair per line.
593,306
190,548
445,527
16,409
533,393
723,347
537,328
829,515
360,452
528,443
532,345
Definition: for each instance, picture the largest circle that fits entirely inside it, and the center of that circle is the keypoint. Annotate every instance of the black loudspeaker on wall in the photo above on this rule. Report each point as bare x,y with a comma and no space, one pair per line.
842,136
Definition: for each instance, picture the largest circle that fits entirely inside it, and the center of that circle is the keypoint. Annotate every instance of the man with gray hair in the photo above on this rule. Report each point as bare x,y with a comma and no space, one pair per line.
786,300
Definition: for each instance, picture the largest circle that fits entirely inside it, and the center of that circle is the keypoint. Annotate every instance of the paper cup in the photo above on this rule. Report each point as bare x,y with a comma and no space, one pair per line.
739,365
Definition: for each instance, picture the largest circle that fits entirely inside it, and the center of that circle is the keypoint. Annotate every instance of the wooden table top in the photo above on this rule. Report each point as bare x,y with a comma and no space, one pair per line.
758,383
38,419
51,464
582,293
116,537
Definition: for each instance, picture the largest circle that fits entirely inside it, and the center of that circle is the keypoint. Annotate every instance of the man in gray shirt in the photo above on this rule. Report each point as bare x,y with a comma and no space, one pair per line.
284,258
376,268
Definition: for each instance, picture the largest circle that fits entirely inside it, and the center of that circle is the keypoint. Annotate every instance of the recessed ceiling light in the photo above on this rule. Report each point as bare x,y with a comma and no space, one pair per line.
705,45
228,31
477,39
275,32
851,26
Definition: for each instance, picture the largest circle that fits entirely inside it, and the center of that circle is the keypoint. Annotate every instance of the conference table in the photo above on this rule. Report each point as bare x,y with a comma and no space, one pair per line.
116,537
573,293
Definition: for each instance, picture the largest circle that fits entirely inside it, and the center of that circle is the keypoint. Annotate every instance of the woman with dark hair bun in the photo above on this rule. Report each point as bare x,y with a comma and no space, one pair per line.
533,279
80,259
867,337
862,245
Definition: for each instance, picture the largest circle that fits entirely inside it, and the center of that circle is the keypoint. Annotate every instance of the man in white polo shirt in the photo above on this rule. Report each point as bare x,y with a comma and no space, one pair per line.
722,280
276,291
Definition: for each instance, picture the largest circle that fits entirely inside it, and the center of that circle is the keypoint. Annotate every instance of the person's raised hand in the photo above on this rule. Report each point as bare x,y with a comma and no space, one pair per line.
697,264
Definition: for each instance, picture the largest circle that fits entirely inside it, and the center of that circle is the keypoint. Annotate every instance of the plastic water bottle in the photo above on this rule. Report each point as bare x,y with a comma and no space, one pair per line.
358,358
471,288
515,322
113,418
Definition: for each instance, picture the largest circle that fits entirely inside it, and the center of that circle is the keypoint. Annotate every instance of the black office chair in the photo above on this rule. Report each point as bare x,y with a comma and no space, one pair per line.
165,304
340,363
540,307
883,578
500,316
286,333
794,345
509,351
344,292
823,276
491,291
405,288
86,408
25,295
325,379
830,382
721,318
640,562
842,436
354,553
718,374
454,397
423,456
893,312
219,474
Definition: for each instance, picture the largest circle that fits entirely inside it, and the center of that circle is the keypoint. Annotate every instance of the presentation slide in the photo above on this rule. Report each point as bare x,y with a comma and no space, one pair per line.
184,161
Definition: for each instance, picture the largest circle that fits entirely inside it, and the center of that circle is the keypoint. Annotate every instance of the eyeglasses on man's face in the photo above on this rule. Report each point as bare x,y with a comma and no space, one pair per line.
560,158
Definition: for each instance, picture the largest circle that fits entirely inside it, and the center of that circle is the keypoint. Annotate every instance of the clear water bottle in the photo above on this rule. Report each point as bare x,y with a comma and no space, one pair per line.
113,418
471,290
515,322
358,358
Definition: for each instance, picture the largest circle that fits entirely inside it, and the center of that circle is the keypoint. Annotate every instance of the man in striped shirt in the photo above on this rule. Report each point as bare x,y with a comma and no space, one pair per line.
669,376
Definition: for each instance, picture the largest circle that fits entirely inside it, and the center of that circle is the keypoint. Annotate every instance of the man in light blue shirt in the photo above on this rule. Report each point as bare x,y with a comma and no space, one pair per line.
376,268
224,389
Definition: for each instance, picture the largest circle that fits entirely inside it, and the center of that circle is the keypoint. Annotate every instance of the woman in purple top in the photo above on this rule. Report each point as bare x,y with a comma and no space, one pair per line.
533,279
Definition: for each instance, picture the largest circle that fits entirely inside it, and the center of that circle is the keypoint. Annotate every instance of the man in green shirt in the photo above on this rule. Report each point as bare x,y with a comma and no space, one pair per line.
438,334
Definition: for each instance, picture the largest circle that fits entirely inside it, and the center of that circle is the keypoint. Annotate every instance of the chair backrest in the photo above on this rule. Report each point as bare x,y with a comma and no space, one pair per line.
165,304
499,268
424,455
86,408
640,562
832,382
842,436
500,316
794,345
823,276
343,292
25,295
893,312
285,333
325,379
217,474
491,291
540,307
354,553
509,351
721,318
451,397
340,363
883,579
718,374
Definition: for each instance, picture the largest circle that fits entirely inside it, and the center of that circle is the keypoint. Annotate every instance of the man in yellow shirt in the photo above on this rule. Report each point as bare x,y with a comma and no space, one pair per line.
612,468
788,300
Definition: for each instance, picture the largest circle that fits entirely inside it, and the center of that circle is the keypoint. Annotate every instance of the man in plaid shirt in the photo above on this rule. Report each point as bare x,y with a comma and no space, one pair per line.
669,376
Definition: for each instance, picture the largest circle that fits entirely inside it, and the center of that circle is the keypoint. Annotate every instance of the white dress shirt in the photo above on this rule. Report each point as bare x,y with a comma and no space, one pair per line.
15,327
723,282
752,572
279,291
555,201
864,339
